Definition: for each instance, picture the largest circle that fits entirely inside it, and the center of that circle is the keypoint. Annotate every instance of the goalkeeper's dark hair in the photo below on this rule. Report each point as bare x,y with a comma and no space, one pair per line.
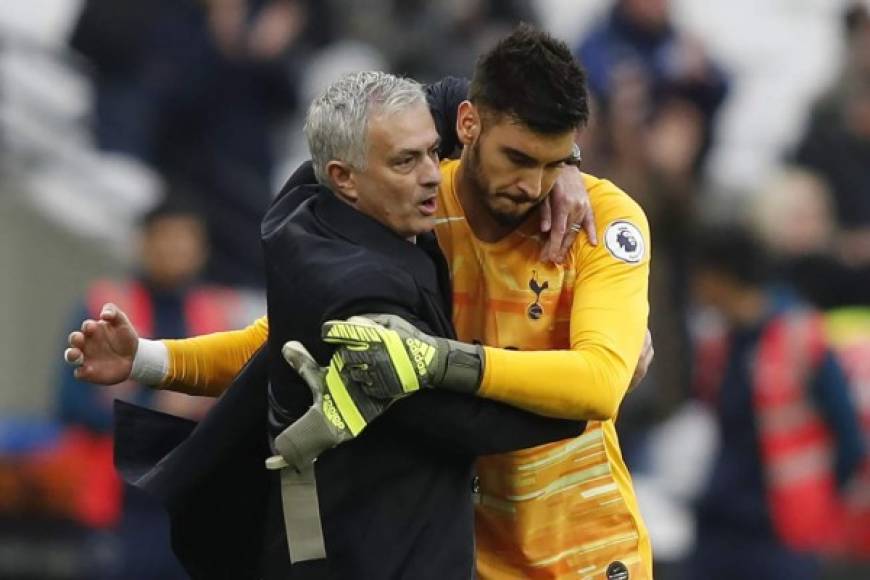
535,79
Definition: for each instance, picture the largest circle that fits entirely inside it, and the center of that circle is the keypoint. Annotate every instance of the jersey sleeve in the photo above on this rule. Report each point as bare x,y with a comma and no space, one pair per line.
452,422
609,315
206,365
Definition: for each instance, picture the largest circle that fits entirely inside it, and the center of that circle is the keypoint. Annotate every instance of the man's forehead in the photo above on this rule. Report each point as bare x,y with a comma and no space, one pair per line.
411,128
510,132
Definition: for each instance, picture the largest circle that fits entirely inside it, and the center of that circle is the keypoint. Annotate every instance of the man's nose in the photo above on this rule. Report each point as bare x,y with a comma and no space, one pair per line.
531,183
430,173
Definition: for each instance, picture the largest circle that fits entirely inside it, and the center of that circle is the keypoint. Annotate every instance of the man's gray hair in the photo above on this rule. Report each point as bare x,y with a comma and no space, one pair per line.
337,122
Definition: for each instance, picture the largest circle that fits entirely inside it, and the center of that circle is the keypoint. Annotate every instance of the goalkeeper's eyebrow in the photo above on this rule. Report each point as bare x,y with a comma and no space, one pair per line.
523,159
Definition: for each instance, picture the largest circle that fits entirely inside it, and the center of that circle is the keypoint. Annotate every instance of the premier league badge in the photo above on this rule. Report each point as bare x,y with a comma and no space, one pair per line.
625,242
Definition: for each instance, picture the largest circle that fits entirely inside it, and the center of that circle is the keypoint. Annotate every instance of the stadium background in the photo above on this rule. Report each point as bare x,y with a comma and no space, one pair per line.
75,181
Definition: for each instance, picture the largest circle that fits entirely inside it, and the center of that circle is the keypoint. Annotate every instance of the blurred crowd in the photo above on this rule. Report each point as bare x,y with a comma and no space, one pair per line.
210,94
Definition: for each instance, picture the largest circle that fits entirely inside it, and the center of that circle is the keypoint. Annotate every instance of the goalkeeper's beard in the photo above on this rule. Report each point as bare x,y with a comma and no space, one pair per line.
481,190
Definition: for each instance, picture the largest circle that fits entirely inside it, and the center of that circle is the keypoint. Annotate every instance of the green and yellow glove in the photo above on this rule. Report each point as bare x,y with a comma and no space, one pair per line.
340,411
389,357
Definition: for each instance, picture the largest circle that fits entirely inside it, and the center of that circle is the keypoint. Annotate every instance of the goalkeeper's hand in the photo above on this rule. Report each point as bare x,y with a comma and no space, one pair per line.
390,357
340,411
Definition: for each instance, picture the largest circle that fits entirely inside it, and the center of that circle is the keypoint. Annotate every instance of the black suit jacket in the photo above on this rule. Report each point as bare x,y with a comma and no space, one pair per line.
396,502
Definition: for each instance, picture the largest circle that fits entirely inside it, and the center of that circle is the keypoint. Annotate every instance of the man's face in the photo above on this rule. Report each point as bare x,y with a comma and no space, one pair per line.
400,183
514,168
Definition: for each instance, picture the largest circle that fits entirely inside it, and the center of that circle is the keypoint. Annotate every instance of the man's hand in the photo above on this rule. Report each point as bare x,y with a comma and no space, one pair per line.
389,357
340,411
565,213
646,358
104,349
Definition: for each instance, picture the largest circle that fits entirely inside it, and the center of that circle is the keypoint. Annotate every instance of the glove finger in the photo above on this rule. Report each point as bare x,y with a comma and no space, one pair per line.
390,322
351,334
298,357
338,402
364,319
376,317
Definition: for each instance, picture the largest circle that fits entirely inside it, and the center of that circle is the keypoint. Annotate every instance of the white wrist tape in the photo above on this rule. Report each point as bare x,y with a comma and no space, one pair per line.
151,362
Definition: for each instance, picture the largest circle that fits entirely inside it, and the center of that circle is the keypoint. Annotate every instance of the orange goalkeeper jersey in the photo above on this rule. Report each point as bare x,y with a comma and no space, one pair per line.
563,510
566,509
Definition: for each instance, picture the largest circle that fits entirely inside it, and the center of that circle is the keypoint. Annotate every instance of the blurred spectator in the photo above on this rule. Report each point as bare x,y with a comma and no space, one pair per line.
429,40
793,214
194,89
837,140
790,436
162,299
637,44
437,39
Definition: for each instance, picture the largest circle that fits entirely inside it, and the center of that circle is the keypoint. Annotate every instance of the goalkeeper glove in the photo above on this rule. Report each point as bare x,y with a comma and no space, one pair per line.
341,410
390,357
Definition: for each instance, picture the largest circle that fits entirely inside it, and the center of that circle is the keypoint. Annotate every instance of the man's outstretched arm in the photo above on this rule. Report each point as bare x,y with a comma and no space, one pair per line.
108,351
111,352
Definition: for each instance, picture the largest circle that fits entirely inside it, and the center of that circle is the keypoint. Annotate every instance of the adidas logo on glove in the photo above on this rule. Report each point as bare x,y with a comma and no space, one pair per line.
422,354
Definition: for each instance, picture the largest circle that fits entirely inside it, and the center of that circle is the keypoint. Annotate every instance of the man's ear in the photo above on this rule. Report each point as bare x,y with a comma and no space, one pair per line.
342,177
467,123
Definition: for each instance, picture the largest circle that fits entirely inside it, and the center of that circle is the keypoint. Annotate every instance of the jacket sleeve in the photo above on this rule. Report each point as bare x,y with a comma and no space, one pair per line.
459,423
475,426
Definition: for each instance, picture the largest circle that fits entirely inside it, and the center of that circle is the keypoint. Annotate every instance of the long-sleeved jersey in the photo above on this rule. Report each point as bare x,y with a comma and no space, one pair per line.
568,339
567,509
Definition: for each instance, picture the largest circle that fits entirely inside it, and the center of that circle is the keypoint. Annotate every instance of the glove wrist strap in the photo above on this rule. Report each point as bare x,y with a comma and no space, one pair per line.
305,439
463,369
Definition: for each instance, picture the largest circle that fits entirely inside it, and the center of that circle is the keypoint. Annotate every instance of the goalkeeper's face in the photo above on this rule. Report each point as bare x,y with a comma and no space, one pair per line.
512,167
399,185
